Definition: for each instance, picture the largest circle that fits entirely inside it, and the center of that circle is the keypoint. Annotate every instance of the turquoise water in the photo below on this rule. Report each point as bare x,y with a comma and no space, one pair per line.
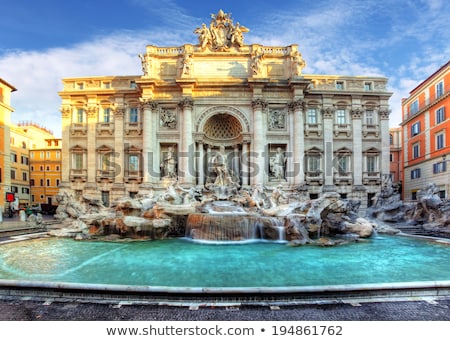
182,263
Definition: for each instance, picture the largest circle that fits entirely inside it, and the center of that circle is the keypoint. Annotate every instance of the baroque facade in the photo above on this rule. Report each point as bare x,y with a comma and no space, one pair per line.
124,135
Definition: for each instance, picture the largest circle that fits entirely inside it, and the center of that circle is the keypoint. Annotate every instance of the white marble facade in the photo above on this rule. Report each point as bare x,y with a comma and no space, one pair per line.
124,135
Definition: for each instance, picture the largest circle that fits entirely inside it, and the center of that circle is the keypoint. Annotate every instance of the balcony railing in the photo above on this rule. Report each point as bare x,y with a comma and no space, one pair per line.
314,177
370,129
342,128
313,128
78,128
131,127
105,127
78,175
132,176
343,178
371,178
107,175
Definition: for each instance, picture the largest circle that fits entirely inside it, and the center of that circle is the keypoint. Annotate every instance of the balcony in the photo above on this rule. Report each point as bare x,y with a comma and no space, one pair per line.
342,129
78,128
105,175
105,128
133,128
132,176
371,178
343,178
370,129
314,178
78,175
313,129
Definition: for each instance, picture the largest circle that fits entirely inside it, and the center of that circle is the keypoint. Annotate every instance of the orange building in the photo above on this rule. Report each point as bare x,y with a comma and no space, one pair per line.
45,169
426,135
5,121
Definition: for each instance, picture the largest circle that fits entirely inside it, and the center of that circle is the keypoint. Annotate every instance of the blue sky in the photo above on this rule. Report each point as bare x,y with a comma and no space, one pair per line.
47,40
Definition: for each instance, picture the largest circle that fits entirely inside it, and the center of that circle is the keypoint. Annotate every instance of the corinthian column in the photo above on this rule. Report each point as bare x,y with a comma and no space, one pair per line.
328,114
92,114
186,171
66,112
357,147
257,168
298,148
385,142
148,148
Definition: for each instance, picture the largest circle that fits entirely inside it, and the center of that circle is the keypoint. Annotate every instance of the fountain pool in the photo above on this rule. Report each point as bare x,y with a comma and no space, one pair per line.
181,263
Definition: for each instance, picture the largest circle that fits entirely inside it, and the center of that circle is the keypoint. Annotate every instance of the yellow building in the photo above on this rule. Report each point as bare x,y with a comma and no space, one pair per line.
5,121
40,156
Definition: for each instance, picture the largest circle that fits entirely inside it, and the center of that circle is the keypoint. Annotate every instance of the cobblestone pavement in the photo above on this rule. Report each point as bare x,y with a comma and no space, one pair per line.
417,310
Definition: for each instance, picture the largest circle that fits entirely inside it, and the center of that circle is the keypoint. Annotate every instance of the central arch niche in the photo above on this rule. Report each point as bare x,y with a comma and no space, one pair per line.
223,129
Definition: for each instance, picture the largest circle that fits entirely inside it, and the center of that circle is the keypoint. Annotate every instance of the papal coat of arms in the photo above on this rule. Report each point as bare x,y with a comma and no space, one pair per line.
221,33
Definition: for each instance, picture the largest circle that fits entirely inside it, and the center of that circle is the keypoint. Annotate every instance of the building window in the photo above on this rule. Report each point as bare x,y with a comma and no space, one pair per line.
25,190
391,157
47,168
339,85
312,116
13,174
106,115
415,129
439,89
133,115
313,163
368,86
57,168
24,176
343,164
370,119
48,183
107,85
105,161
439,167
58,155
32,155
440,141
14,189
41,155
133,163
78,161
31,182
105,198
440,115
415,173
80,86
414,195
414,107
57,182
24,160
340,116
13,157
391,139
133,85
41,182
80,116
371,164
416,150
48,155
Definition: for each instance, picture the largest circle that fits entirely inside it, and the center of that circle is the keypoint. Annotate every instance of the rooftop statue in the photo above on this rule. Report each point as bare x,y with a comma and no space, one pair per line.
221,33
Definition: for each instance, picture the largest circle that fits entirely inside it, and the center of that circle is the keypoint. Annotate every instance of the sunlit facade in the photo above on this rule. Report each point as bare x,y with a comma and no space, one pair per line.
253,100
